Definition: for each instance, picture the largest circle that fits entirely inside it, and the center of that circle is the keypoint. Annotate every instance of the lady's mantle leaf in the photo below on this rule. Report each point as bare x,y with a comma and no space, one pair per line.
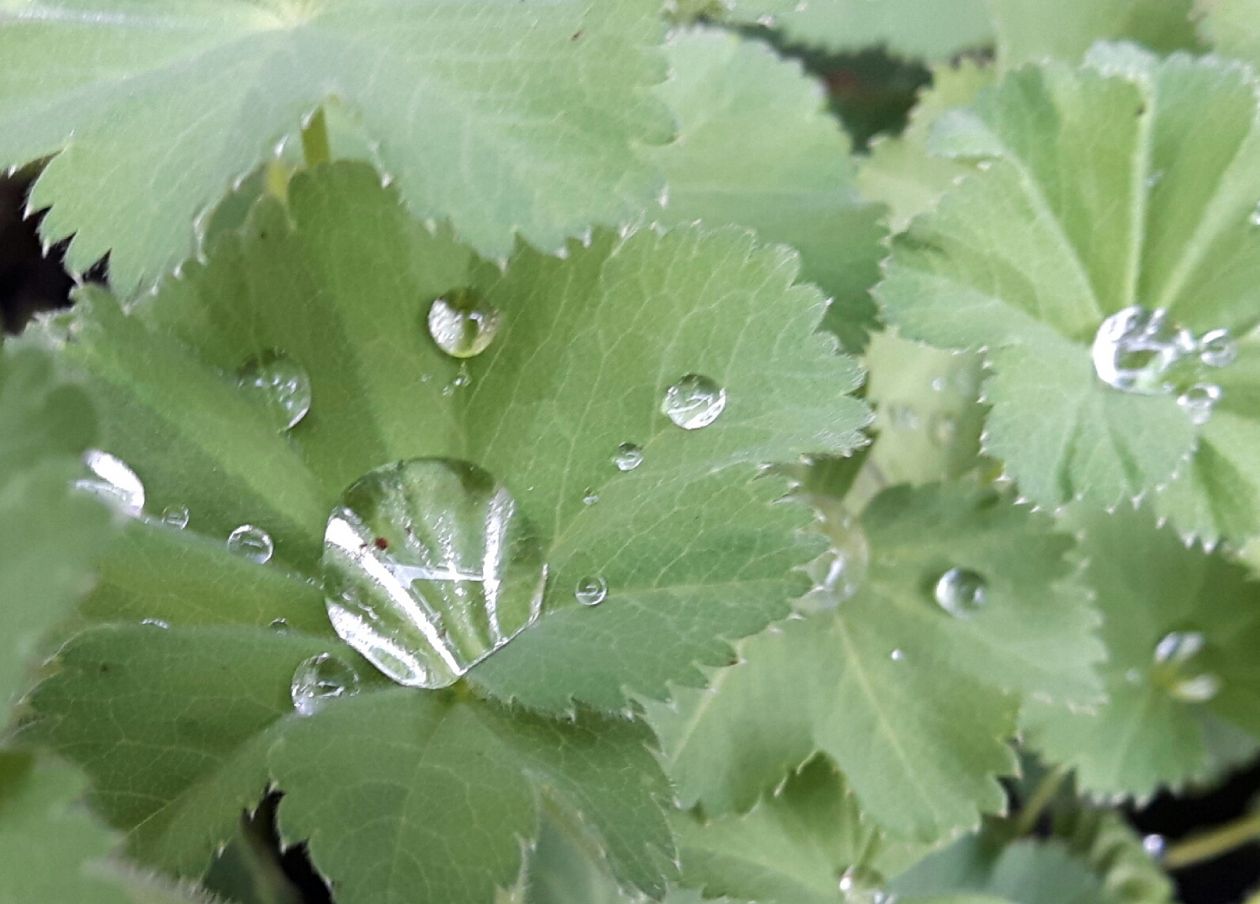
912,703
506,118
1031,30
1064,228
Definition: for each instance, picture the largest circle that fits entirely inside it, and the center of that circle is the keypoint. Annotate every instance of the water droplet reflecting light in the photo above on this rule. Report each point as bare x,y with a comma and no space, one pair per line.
462,323
175,516
961,592
1136,349
279,383
628,457
591,591
318,680
694,402
1198,401
113,481
252,542
1217,348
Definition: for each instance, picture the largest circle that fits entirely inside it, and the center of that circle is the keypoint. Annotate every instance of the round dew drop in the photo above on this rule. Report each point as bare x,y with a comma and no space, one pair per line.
462,323
1155,846
1198,402
175,516
628,457
320,679
280,384
591,591
693,402
252,542
961,592
113,481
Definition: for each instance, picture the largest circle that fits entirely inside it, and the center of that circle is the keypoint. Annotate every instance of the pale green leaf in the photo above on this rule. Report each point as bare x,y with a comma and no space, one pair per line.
1026,258
1113,850
791,179
1031,30
513,118
913,704
1148,584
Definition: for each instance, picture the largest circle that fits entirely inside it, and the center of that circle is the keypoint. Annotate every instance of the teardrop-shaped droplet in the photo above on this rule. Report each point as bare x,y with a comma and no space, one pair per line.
462,323
1137,350
318,680
1198,401
429,567
628,457
961,592
175,516
591,591
280,384
693,402
252,542
113,481
1217,348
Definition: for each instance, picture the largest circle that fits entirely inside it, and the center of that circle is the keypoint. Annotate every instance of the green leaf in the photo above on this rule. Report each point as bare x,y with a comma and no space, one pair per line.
913,704
524,120
1114,851
1026,258
907,27
49,536
1029,30
1147,585
1231,27
792,179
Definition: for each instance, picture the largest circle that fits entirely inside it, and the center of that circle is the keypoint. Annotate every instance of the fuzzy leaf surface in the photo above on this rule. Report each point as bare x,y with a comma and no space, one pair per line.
510,118
1029,31
1027,258
865,684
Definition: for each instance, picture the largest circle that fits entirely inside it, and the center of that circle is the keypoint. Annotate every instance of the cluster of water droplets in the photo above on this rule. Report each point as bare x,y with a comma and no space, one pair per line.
1144,351
1178,667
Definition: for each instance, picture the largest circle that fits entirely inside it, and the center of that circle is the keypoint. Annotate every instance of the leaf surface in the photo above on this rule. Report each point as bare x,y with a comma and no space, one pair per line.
1029,31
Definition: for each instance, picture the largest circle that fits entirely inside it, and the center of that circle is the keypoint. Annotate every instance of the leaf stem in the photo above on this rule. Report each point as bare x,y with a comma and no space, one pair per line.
315,146
1040,799
276,179
1214,843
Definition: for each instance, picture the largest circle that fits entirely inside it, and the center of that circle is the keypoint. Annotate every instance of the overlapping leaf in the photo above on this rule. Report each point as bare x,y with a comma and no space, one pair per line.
516,118
1149,585
912,703
1029,30
1028,257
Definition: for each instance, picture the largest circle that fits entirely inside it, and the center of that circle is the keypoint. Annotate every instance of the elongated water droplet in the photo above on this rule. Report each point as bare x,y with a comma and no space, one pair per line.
591,591
429,567
693,402
175,516
281,384
1179,647
961,592
1198,401
628,457
1178,670
252,542
590,497
461,379
280,625
1195,688
462,323
1254,218
1217,348
156,623
113,481
840,572
318,680
1136,350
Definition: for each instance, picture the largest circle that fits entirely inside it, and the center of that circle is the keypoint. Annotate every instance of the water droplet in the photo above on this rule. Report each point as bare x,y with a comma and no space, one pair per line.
961,592
1177,668
281,384
1155,846
113,481
252,542
628,457
897,655
460,574
943,428
462,323
320,679
1198,401
1179,647
461,379
839,573
1195,689
591,591
1254,218
939,384
1217,348
1136,350
1154,178
862,886
693,402
156,623
175,516
279,624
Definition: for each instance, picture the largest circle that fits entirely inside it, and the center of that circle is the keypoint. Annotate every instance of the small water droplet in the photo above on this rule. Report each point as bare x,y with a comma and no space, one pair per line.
591,591
175,516
840,572
318,680
462,323
460,574
1136,350
1198,401
628,457
897,655
961,592
252,542
1155,846
590,497
156,623
693,402
1177,669
862,886
461,379
939,384
113,481
1195,689
281,384
1179,647
280,625
1217,348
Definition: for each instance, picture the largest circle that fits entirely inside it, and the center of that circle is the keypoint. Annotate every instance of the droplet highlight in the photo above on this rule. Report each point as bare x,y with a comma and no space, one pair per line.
280,384
841,571
961,592
319,680
1178,668
459,574
591,591
627,457
252,543
175,516
462,323
694,402
1199,401
1217,348
113,481
1137,350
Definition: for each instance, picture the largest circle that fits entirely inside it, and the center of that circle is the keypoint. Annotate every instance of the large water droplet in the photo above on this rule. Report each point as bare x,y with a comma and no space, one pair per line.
1136,350
113,481
429,567
462,323
252,542
862,886
1198,401
961,592
320,679
943,428
628,457
1217,348
693,402
175,516
591,591
281,384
